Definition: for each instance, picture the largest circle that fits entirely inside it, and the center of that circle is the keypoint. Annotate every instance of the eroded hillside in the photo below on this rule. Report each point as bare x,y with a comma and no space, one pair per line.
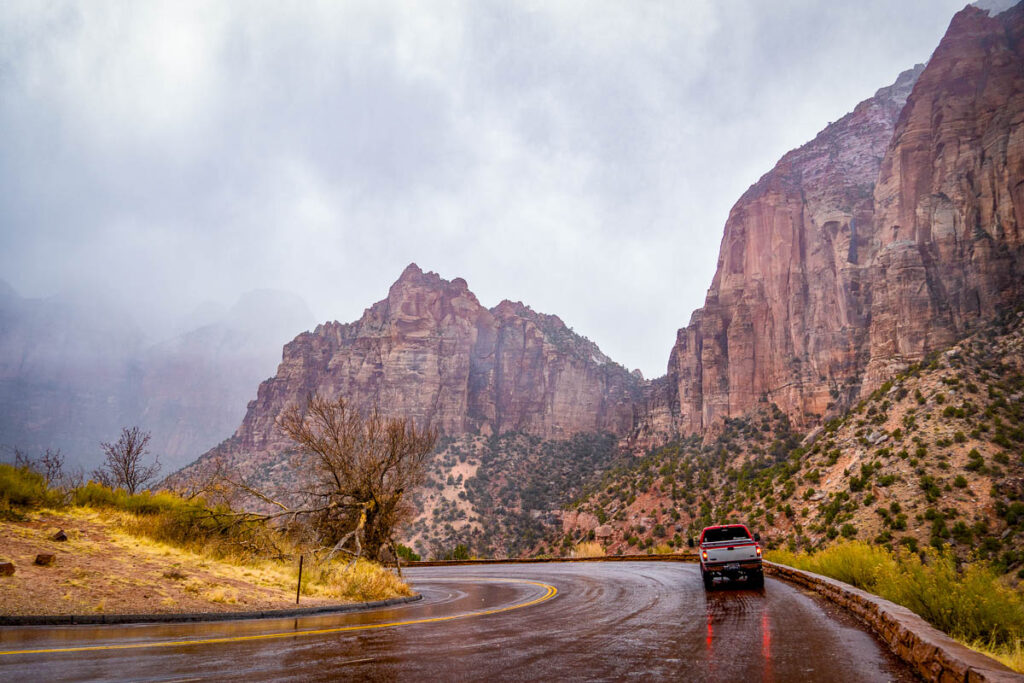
933,456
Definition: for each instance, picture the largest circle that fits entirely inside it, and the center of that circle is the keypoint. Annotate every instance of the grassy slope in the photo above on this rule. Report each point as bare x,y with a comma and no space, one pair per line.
970,603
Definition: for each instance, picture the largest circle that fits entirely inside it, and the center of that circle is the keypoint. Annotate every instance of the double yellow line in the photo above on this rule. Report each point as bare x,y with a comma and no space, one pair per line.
549,592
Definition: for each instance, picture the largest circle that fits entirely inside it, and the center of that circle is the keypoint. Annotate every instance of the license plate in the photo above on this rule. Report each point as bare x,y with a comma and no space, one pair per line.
732,566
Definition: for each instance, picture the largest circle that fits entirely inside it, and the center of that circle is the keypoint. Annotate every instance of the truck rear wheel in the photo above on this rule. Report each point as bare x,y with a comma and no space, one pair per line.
757,580
709,581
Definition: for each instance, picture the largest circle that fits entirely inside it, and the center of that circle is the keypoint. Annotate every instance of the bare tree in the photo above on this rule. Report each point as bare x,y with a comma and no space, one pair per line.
123,465
50,464
356,471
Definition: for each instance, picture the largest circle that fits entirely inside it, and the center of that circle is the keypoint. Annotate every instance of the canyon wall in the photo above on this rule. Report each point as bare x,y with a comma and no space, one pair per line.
949,202
889,235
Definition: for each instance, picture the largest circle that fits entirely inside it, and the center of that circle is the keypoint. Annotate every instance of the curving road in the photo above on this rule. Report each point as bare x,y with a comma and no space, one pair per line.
575,621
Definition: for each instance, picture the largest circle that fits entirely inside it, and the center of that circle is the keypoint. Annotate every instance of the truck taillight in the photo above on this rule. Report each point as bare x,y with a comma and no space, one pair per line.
758,551
704,554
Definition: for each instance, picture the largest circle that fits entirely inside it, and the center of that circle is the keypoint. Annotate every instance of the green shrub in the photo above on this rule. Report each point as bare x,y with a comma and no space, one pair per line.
971,603
21,487
407,553
975,461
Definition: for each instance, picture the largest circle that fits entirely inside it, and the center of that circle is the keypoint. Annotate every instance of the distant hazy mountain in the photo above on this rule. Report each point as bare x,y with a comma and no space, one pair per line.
74,370
67,373
196,386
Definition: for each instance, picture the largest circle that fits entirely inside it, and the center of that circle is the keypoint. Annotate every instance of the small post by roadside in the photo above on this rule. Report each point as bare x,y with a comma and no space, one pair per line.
298,588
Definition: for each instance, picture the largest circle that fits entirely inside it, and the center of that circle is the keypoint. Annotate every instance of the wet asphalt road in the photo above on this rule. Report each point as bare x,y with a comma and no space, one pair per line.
607,621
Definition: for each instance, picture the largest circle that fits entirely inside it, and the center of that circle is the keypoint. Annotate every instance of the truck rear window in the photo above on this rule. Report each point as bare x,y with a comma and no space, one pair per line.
729,533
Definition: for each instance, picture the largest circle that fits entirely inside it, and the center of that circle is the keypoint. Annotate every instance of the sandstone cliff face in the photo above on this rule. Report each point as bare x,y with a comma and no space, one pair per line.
785,318
891,234
430,351
949,202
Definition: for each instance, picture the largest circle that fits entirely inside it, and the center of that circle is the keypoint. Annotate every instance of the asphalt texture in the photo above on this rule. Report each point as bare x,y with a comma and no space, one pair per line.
562,621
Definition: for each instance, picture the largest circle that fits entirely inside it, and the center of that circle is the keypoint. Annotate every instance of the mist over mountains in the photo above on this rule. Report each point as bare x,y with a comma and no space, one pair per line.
74,369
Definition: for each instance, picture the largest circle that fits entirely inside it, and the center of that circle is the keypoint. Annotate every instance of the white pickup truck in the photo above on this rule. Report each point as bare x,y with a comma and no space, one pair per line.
730,551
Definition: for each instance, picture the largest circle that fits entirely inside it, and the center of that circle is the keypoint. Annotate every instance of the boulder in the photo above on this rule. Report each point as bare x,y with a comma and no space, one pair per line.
6,569
45,559
60,536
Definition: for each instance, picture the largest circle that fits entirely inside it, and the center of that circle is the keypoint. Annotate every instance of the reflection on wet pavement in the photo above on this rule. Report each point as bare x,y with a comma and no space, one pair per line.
608,621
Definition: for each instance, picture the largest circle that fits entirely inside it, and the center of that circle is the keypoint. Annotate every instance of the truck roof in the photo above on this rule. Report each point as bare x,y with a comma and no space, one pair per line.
720,533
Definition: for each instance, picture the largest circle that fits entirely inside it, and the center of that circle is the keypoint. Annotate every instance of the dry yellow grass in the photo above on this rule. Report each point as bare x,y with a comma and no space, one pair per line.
971,602
1010,654
105,567
363,581
588,549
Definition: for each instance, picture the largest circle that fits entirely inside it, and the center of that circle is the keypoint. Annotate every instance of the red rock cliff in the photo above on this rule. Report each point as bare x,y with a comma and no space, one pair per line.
949,203
890,234
785,316
432,352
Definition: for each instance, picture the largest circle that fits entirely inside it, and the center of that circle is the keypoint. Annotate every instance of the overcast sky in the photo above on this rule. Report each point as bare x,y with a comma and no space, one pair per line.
581,157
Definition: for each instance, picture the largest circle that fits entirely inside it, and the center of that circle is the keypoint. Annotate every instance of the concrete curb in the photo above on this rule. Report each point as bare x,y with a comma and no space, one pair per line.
76,619
931,653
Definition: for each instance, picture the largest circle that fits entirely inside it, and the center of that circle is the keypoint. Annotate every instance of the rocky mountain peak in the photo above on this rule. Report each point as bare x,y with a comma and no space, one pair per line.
431,352
417,294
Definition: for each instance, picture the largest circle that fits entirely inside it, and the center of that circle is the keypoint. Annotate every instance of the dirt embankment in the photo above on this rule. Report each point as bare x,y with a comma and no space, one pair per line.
100,569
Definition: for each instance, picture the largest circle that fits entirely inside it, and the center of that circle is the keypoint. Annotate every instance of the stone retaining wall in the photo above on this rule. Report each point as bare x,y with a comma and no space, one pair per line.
933,654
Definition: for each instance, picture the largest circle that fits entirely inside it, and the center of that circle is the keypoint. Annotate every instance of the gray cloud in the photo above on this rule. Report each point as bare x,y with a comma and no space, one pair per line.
580,156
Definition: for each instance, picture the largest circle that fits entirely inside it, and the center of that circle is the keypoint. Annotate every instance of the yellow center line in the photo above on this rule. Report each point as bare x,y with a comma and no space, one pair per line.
549,592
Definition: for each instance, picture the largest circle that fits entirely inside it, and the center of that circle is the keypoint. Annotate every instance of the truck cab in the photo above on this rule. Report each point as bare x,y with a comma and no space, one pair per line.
731,552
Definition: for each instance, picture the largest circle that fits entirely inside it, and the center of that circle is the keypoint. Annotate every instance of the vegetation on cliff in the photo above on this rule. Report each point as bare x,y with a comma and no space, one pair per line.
502,496
934,457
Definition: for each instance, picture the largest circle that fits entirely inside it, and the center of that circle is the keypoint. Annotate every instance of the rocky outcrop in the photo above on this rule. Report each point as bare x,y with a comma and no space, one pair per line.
431,352
893,233
949,203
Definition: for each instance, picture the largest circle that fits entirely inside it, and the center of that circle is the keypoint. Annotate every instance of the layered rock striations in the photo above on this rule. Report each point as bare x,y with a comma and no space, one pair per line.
891,234
785,318
431,352
949,202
